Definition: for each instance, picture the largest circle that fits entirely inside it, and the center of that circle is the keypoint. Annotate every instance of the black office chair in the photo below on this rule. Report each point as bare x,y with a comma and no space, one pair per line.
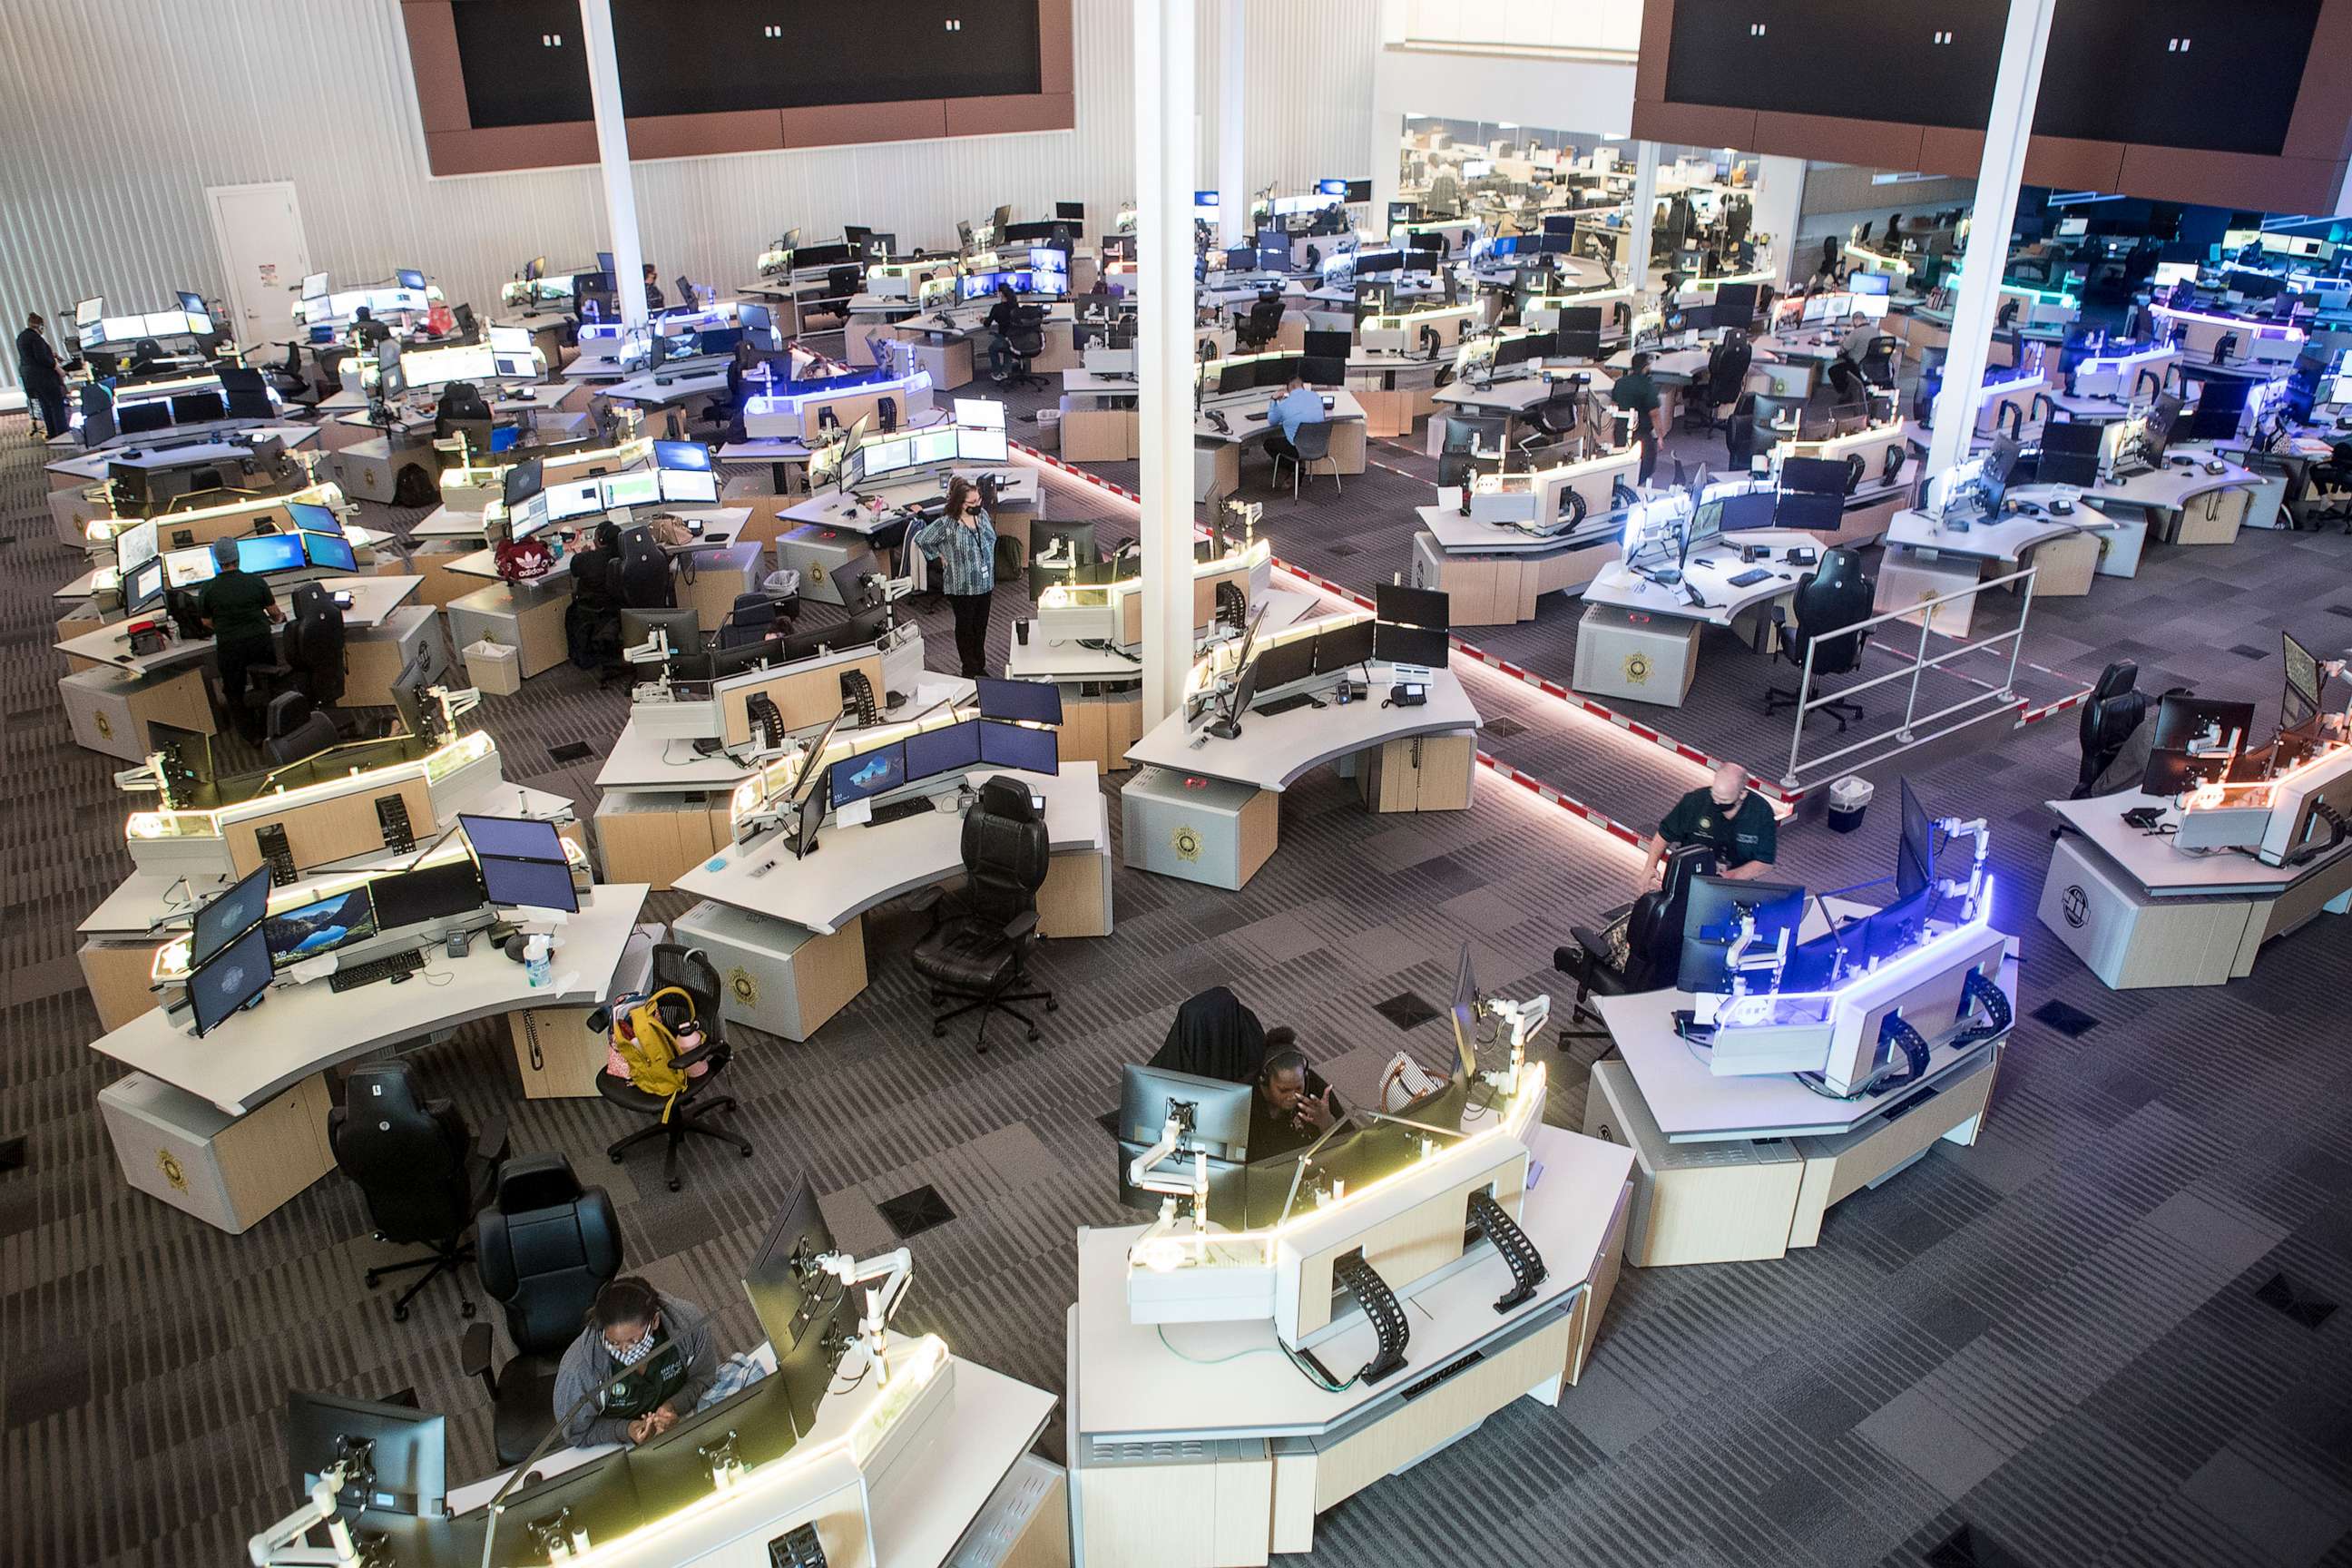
2114,711
464,316
1651,941
1555,419
1024,344
2328,492
1310,444
1880,358
542,1248
1726,375
1836,596
643,576
1741,438
464,414
1846,381
293,728
756,616
419,1169
689,1114
146,356
841,286
1256,330
980,953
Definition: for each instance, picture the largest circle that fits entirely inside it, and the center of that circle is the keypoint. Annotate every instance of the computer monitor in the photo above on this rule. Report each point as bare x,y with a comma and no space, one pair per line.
312,518
1408,606
1019,746
795,1301
328,552
1818,476
673,1470
1421,645
144,585
869,773
2162,418
524,480
1915,847
2070,454
143,418
321,926
1343,647
1806,510
1280,663
1710,923
948,749
598,1498
1274,370
1520,349
528,884
265,552
1744,511
2221,408
2299,702
1735,304
408,1452
229,979
197,408
229,914
1038,701
574,497
2195,741
1215,1112
1330,345
638,486
426,894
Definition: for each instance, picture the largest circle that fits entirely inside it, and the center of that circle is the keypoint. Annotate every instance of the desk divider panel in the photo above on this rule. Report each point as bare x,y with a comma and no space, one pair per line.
804,697
323,831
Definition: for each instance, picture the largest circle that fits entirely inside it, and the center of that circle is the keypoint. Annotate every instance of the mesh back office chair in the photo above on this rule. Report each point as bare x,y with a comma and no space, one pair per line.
689,1114
841,286
1837,595
756,616
1637,948
1880,358
1024,344
1310,445
464,414
1726,375
421,1171
544,1248
977,956
1256,330
1554,421
2328,492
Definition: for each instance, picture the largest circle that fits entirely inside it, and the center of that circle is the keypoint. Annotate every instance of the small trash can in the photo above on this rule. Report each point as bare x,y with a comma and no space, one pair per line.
1849,798
1048,438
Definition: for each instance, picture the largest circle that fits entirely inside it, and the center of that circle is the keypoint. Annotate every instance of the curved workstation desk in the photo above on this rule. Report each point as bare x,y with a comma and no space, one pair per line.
1639,639
78,488
1522,535
1217,453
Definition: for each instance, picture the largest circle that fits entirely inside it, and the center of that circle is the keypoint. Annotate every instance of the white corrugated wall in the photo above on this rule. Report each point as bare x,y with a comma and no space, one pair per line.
116,114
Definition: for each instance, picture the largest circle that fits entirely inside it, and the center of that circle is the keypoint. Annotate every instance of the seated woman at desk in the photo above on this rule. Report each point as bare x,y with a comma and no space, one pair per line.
1215,1034
963,541
660,1350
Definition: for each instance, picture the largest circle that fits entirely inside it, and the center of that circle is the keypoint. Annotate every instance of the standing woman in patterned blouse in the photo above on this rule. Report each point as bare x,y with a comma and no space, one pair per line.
963,544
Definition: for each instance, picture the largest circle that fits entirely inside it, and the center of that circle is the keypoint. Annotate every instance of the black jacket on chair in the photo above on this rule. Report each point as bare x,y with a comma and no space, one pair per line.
544,1247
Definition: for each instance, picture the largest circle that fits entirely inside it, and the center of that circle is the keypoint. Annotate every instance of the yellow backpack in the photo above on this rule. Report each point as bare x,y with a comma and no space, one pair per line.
649,1045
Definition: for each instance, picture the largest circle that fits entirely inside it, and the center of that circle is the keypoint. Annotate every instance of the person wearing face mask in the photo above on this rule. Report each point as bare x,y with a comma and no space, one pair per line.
1727,817
663,1344
963,541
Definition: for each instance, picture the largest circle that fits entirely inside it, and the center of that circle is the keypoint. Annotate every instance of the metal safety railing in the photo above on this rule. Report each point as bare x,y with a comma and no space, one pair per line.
1990,703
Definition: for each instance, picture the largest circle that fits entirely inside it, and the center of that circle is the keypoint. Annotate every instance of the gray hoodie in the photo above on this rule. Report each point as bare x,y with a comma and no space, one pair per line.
587,1362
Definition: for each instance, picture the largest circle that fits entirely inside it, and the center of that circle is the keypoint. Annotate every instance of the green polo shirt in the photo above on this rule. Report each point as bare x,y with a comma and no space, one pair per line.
1637,392
237,604
1747,832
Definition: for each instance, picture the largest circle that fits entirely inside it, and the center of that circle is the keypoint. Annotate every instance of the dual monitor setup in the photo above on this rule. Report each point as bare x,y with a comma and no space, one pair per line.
182,404
682,475
393,1459
239,945
316,542
2201,750
93,327
1662,536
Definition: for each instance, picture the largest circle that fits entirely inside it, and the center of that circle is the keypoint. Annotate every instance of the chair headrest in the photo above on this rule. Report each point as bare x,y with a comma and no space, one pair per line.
2118,678
381,1093
288,710
536,1181
1001,796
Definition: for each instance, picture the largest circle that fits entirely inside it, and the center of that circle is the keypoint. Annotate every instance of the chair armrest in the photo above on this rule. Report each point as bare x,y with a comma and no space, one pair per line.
490,1140
701,1054
1591,945
474,1352
600,1022
1021,925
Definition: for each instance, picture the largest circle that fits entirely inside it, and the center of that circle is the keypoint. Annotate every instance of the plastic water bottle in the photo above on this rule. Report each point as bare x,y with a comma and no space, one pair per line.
535,960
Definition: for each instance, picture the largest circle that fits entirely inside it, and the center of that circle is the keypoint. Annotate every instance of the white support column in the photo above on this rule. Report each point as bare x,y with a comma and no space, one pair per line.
1166,88
1232,111
1637,239
1978,297
1776,208
613,153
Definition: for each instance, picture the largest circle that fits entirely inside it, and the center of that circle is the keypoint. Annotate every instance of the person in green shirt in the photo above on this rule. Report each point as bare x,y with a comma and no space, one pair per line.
1636,391
1727,817
238,610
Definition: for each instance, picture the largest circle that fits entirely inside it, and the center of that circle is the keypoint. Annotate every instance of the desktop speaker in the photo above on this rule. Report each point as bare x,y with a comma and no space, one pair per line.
392,820
271,840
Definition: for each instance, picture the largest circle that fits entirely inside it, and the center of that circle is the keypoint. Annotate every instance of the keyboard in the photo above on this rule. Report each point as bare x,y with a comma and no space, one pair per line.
1259,417
1288,704
353,977
899,810
1755,575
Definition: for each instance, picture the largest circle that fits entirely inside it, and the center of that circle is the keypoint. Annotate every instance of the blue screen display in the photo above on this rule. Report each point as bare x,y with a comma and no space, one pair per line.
869,773
269,552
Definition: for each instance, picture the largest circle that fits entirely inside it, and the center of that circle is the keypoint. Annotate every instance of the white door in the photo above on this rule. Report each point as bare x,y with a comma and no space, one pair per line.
258,231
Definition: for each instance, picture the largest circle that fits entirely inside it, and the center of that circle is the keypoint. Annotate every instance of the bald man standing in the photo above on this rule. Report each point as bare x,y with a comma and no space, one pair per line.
1728,818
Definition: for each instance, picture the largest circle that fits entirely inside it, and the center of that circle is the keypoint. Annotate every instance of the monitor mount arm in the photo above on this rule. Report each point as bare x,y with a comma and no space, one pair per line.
1973,889
886,1276
1143,1172
1525,1020
280,1545
1743,959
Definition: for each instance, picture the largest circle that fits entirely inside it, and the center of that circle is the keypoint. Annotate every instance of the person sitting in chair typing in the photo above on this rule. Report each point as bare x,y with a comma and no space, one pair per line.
1297,405
1727,817
664,1344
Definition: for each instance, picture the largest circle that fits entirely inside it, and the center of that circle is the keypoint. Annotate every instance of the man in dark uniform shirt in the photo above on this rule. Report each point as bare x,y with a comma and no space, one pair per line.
237,609
1728,818
37,373
1637,393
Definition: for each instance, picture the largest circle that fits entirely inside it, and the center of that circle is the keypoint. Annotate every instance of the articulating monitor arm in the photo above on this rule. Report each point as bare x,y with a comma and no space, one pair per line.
279,1546
886,1277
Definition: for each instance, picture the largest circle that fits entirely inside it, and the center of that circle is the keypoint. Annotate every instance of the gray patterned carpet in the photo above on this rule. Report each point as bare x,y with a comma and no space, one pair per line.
2102,1336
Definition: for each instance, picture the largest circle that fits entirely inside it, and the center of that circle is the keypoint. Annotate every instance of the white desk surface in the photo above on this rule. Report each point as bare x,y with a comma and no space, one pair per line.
373,599
855,869
1016,486
659,389
1516,395
2168,488
145,902
1457,534
92,466
445,522
2006,540
1245,413
2162,869
1691,1105
720,525
363,539
765,449
1080,381
1364,361
1709,571
302,1029
1273,749
666,764
1131,1380
1038,659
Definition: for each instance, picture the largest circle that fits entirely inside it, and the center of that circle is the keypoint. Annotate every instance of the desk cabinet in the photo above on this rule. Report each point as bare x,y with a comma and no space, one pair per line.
776,977
1693,1203
1907,577
2213,517
1199,830
1098,727
117,974
109,711
529,620
374,657
718,576
230,1171
656,837
1419,773
1637,657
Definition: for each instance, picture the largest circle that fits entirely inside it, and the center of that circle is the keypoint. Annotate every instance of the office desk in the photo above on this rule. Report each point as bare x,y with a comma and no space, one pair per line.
73,478
2166,495
826,529
373,601
2066,554
1736,1169
671,389
1638,640
2139,911
1217,454
721,527
365,542
1188,1451
1493,573
1210,811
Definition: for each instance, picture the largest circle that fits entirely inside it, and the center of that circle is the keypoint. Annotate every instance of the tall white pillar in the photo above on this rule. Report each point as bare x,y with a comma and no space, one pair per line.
613,154
1232,111
1645,197
1166,88
1777,207
1978,297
